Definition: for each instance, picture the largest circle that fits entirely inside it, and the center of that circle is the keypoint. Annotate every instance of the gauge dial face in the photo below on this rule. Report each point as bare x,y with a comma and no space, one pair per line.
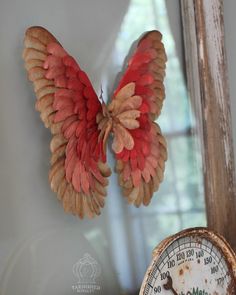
193,264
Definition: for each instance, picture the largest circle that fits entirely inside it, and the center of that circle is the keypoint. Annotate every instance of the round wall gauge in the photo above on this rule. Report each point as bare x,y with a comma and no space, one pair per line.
193,262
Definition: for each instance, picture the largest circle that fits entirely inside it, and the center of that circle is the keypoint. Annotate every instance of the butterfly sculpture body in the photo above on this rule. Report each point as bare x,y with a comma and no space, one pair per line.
80,124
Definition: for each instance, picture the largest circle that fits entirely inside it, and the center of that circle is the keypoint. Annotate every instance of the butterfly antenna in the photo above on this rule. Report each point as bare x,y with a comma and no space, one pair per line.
101,97
104,107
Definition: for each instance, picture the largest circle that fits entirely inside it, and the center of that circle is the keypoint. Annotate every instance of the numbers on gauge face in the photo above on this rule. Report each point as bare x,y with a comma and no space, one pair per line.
157,289
199,254
164,275
220,281
207,260
202,257
180,256
171,263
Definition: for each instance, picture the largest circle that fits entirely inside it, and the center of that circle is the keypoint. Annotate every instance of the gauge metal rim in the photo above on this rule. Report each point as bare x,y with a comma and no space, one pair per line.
201,232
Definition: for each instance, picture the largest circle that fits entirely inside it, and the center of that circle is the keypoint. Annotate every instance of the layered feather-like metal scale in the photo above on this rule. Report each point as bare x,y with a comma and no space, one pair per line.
80,124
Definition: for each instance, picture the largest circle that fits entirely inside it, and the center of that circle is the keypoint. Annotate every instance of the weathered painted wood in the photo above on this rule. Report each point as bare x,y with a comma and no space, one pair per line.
208,86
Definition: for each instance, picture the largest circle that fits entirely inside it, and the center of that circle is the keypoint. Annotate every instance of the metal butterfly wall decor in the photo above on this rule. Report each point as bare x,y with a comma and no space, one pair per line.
80,124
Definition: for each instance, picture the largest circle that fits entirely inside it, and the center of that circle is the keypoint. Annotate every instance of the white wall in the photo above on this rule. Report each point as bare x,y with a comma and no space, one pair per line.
39,243
230,36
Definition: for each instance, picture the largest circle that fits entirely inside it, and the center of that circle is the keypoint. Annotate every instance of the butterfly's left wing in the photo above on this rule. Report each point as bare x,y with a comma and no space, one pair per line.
139,146
69,106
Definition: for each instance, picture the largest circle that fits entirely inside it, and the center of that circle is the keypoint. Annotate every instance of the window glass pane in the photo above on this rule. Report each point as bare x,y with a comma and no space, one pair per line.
179,203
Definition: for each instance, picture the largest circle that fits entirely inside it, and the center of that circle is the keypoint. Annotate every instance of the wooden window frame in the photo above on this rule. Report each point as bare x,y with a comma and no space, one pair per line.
206,66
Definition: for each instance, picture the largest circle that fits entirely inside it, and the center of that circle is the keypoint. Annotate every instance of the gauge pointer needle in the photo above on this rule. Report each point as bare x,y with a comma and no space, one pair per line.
169,285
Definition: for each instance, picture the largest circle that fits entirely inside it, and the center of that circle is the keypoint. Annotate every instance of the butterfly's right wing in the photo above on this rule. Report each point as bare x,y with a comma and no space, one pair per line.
139,145
70,107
